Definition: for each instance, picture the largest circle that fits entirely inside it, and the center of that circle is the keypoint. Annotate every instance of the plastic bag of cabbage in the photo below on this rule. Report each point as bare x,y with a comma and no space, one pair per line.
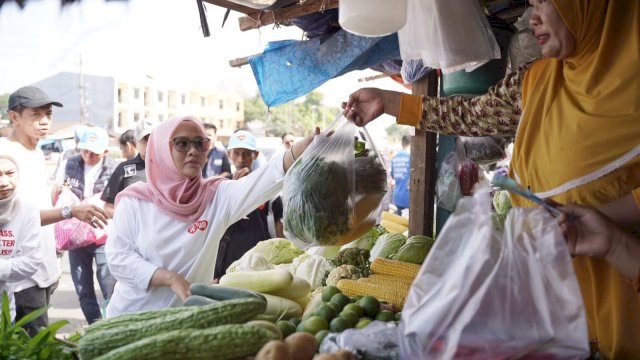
330,194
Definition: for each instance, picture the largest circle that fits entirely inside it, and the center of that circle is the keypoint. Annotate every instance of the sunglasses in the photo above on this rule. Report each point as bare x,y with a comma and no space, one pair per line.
184,144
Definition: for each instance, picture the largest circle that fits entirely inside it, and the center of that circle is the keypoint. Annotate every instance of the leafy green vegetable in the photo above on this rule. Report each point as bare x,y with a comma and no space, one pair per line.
250,261
328,252
277,250
414,252
387,245
502,202
15,343
312,268
367,240
356,257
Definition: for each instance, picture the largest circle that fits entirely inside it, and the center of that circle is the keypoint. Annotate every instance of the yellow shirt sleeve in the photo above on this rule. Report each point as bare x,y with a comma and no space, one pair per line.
410,110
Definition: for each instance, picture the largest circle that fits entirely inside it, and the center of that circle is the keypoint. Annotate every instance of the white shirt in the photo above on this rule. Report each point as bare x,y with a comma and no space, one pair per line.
142,238
91,174
34,189
19,255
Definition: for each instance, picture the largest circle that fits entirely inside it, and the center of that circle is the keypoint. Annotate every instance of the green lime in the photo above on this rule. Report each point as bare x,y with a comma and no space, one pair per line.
370,305
314,324
340,301
385,315
328,293
325,311
300,327
355,308
286,328
363,323
295,321
320,335
350,316
365,318
339,324
355,299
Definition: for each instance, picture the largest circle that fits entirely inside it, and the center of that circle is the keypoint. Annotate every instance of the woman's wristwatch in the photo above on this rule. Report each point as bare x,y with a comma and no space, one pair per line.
66,212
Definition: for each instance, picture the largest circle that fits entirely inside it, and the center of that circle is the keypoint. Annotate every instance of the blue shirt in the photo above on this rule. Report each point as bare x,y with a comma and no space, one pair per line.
400,170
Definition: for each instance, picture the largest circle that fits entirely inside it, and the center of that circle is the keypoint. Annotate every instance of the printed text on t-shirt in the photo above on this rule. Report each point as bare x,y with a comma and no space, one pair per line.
198,225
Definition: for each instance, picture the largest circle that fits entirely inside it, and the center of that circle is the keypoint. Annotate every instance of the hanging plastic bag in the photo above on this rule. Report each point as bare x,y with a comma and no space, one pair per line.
451,35
72,233
523,46
331,193
489,294
457,177
484,150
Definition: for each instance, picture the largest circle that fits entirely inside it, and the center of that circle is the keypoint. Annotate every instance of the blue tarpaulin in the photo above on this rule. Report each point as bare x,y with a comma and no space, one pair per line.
289,69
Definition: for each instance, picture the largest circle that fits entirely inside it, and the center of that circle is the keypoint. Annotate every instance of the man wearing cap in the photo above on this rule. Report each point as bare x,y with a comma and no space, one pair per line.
130,171
246,233
31,115
88,175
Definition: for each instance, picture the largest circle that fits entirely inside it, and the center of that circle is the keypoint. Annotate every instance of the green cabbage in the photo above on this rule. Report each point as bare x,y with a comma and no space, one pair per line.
414,252
502,202
387,245
277,251
328,252
250,262
367,240
312,268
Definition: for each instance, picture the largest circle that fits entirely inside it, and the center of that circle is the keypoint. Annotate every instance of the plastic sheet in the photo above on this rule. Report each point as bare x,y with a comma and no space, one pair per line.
377,341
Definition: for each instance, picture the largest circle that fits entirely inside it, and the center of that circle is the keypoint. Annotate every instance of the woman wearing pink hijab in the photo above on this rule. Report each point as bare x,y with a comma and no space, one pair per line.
165,233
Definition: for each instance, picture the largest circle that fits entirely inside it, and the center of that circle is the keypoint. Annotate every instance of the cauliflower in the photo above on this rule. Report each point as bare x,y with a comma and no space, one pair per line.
343,272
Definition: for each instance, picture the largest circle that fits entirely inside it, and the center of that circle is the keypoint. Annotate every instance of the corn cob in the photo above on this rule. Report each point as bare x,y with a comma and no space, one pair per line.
396,268
220,342
386,279
395,218
391,293
98,343
393,227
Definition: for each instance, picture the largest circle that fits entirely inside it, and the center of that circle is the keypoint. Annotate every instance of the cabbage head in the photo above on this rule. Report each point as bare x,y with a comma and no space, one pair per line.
414,252
312,268
367,240
387,245
502,202
250,262
277,251
328,252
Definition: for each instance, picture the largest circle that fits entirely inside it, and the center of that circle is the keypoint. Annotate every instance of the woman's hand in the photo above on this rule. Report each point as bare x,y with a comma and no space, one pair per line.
586,231
178,284
91,214
367,104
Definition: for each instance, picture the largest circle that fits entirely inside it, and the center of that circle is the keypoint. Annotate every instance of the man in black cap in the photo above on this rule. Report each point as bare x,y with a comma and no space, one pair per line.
31,114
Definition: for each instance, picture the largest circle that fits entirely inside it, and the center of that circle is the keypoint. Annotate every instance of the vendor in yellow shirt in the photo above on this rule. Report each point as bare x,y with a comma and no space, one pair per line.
576,119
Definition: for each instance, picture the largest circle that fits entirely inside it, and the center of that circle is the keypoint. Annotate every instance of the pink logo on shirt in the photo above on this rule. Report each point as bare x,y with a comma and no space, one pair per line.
198,225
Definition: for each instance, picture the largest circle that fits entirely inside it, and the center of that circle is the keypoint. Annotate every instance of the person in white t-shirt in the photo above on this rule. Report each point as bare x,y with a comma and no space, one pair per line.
19,233
31,115
165,233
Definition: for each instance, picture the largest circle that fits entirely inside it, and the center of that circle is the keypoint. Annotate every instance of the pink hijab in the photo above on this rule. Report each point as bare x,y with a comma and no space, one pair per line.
179,197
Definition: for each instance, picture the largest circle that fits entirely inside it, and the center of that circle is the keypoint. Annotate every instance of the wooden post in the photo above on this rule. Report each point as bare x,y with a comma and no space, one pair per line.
423,167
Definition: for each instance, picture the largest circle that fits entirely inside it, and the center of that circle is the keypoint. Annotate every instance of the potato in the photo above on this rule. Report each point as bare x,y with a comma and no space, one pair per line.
274,350
302,345
343,354
326,356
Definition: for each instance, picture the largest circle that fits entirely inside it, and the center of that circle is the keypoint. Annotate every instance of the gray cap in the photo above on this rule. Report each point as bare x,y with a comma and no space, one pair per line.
31,97
145,127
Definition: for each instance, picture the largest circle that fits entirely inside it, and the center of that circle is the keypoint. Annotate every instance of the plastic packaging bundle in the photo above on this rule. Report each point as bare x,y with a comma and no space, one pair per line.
483,293
331,193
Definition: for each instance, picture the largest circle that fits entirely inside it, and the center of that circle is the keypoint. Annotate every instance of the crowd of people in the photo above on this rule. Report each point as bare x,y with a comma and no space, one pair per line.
177,206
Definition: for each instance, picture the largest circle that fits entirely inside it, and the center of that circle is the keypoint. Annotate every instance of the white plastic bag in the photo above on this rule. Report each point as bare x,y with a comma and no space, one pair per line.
483,293
451,35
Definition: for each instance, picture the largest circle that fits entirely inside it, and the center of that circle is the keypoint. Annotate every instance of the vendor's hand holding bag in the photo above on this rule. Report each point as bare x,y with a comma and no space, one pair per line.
484,293
72,233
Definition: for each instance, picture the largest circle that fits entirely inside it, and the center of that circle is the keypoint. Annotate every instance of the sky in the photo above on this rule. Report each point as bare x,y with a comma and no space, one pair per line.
157,38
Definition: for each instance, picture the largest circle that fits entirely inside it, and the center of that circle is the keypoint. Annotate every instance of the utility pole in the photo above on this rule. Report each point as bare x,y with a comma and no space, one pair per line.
83,99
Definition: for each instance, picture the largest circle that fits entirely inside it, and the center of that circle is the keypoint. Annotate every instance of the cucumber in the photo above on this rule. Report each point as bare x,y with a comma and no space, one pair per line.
260,281
197,300
219,292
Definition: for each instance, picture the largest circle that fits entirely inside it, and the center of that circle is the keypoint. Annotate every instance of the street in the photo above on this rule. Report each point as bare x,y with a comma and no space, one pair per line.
64,302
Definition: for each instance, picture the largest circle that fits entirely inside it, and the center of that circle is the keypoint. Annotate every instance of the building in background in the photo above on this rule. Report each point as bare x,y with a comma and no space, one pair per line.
117,104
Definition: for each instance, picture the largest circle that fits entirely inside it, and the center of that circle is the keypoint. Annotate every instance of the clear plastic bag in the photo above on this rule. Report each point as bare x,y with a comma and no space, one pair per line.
451,35
483,293
523,46
377,341
457,177
484,150
72,233
331,193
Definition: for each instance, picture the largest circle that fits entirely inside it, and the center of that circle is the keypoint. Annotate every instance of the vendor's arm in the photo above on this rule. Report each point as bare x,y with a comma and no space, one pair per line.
126,264
589,233
26,260
624,211
85,213
496,112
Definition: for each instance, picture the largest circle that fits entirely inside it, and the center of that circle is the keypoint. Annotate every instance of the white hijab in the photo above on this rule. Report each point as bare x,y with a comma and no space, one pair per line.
8,205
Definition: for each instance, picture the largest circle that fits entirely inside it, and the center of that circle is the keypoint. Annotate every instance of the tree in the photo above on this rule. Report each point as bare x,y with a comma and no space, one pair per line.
297,117
395,133
4,104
